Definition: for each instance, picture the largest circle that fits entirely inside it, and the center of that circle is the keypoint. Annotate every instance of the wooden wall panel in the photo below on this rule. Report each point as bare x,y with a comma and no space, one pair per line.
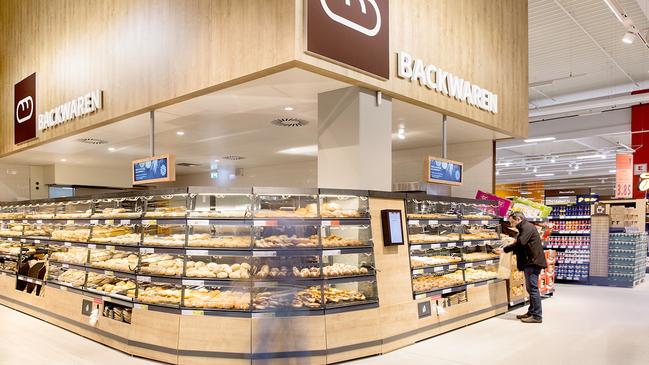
483,41
143,54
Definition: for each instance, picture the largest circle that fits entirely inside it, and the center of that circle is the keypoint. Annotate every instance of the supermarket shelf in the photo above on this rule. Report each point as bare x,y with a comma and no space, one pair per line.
31,280
565,217
129,275
571,278
433,221
481,262
575,233
67,265
568,247
482,282
435,269
428,246
536,220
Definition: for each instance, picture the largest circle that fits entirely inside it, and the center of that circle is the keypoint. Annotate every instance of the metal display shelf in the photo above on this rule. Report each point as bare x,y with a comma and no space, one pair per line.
473,243
566,217
439,292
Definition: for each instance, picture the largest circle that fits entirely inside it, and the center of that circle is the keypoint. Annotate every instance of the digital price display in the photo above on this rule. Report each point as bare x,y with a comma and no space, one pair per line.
154,169
392,224
442,171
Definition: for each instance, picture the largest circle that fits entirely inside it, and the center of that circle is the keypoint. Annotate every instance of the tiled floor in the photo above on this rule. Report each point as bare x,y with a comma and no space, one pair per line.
582,325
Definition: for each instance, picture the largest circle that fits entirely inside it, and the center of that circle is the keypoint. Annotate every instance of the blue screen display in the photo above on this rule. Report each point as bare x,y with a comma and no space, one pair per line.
445,171
150,170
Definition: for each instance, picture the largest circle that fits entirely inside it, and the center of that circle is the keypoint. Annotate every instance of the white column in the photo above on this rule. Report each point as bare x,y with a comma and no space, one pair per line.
354,140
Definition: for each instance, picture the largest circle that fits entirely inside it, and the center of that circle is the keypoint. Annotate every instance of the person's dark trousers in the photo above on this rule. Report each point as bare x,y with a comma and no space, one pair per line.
532,284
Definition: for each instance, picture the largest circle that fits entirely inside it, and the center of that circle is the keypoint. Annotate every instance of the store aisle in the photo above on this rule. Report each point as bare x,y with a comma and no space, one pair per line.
583,325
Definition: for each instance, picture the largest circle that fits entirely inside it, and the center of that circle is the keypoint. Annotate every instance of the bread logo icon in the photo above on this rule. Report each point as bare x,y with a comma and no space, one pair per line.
24,109
348,23
644,182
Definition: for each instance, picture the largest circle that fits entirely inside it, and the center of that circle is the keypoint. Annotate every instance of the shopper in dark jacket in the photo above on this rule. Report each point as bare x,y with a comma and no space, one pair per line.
530,258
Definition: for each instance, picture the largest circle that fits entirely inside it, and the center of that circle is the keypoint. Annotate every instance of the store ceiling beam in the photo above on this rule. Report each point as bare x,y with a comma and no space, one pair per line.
604,51
588,106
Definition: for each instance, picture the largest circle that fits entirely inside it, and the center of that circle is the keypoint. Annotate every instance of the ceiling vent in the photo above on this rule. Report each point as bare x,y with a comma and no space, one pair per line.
187,164
232,158
91,140
289,122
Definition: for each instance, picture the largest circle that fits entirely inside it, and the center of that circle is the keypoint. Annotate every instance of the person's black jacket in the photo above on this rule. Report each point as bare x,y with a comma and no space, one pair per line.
528,247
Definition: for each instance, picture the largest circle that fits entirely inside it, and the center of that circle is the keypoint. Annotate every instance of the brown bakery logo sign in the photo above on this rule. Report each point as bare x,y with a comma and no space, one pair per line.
352,32
25,109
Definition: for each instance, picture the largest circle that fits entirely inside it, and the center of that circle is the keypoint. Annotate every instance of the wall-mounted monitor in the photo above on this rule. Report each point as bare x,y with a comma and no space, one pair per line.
392,223
154,169
443,171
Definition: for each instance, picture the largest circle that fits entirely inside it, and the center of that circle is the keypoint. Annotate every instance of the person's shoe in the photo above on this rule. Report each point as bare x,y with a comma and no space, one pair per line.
531,319
523,316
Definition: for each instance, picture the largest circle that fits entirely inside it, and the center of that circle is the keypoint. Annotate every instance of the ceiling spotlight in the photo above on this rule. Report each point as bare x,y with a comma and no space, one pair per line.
628,38
401,134
576,166
506,164
527,168
553,160
111,149
497,172
289,108
63,160
536,169
180,133
612,171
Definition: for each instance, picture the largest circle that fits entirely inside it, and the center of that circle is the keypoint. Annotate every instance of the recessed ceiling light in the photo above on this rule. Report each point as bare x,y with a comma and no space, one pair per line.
311,150
217,161
590,156
289,108
628,38
543,175
612,171
536,169
553,160
576,166
180,133
63,160
506,164
111,149
542,139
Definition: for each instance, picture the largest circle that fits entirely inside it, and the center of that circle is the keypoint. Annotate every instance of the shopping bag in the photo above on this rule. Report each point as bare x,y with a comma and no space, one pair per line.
505,265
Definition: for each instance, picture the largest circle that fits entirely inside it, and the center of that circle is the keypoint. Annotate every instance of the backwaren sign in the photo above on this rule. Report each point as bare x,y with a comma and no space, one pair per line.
353,32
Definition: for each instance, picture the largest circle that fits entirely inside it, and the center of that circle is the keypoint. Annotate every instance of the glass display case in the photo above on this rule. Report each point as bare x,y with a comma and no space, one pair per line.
286,297
346,235
121,234
75,209
344,204
9,248
424,207
8,265
165,234
118,208
217,297
293,267
114,285
173,205
109,258
204,234
422,283
62,275
289,235
68,255
157,293
161,264
287,203
218,267
481,272
10,212
225,204
484,230
347,264
479,253
62,232
422,231
343,294
479,210
11,229
41,211
434,257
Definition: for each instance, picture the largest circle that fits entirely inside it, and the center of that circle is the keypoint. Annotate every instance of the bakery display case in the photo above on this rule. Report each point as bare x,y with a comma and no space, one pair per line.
219,266
286,234
10,248
346,235
481,272
344,204
129,234
477,231
112,284
76,232
233,297
479,253
285,203
347,264
427,207
167,204
229,234
426,231
73,209
287,268
222,204
68,255
111,259
118,207
161,264
62,274
479,211
435,258
289,298
151,291
40,211
430,282
11,229
12,211
161,233
341,294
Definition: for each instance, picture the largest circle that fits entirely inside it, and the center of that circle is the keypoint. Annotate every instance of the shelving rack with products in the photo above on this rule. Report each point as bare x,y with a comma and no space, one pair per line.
571,239
451,244
235,252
